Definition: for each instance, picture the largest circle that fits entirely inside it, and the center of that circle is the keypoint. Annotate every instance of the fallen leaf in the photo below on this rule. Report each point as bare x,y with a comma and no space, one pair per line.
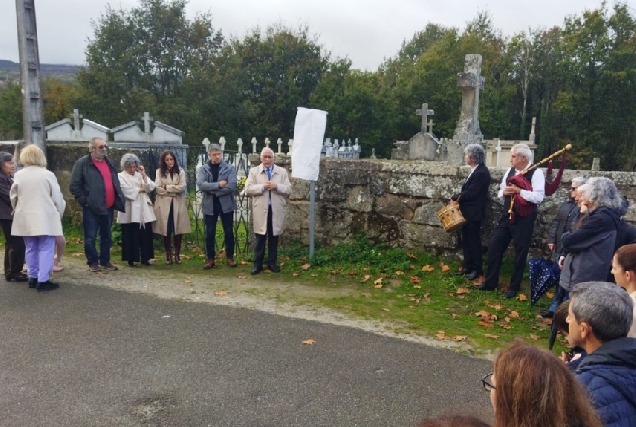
415,279
306,266
220,293
241,277
428,268
309,342
366,278
417,287
244,262
514,314
185,256
458,338
492,336
411,256
378,281
534,337
484,324
77,254
444,267
549,294
546,321
365,269
411,306
399,273
455,315
506,327
462,291
385,309
378,286
351,273
522,297
295,273
441,335
412,267
314,275
187,281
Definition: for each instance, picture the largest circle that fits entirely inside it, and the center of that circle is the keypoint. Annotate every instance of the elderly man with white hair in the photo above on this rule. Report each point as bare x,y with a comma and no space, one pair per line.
269,187
518,228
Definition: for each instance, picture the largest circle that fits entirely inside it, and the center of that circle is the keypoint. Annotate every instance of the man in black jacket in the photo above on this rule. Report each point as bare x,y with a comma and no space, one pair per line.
472,204
95,186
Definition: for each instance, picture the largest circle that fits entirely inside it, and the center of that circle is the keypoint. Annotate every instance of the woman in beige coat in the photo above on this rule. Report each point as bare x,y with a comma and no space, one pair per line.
38,207
269,187
170,206
136,221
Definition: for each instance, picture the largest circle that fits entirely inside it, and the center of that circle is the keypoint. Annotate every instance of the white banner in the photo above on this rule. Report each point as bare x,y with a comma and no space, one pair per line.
309,132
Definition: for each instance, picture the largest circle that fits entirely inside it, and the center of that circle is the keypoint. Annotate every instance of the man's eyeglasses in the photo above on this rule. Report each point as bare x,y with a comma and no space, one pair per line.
101,147
485,381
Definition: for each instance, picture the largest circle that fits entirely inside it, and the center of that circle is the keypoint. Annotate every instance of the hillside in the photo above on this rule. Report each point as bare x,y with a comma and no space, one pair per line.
10,70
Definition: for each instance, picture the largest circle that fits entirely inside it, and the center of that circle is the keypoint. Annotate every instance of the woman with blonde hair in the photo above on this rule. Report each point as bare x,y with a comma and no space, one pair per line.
531,387
38,207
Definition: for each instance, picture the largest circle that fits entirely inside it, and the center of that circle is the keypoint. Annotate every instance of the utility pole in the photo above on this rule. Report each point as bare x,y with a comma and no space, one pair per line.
32,105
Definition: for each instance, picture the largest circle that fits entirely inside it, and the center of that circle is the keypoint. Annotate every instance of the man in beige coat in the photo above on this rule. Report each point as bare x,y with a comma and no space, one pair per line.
269,187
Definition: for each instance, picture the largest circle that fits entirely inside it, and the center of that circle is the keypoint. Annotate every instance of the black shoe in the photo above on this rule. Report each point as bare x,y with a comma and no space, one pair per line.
33,282
46,286
20,277
472,276
256,270
461,272
146,262
548,314
483,287
511,294
131,264
274,268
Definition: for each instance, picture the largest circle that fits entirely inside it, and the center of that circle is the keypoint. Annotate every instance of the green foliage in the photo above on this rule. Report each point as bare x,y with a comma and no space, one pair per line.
10,112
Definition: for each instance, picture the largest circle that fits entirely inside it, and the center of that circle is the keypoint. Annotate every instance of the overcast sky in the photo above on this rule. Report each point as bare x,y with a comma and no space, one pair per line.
366,31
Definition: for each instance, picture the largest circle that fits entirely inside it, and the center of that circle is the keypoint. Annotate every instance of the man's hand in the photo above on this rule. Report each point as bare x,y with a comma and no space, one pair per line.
551,246
565,357
270,185
222,184
511,190
561,258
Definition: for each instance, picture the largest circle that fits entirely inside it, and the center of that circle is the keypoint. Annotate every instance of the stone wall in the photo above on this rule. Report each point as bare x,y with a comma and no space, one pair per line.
396,203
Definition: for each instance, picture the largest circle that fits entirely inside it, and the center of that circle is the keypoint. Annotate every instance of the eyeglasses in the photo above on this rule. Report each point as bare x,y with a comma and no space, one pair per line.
485,381
573,188
101,147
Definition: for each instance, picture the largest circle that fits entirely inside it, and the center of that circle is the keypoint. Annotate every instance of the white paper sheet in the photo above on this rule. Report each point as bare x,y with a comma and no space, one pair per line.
309,133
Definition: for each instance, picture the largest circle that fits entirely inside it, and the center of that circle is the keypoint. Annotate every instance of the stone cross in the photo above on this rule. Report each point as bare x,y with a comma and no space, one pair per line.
239,144
146,118
267,142
471,82
290,143
206,144
532,136
76,119
253,145
280,145
222,143
424,112
430,126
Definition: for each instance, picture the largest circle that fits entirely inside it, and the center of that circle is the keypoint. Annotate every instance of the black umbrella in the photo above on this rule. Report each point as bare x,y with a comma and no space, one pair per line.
544,274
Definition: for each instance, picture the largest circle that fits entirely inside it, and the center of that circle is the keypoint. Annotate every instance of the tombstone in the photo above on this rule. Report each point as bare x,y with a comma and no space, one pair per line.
424,112
222,143
289,144
279,141
467,130
90,129
267,142
239,145
422,146
164,134
129,132
373,154
596,164
253,145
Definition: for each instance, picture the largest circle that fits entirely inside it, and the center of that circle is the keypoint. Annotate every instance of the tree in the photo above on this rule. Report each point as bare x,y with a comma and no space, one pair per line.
10,112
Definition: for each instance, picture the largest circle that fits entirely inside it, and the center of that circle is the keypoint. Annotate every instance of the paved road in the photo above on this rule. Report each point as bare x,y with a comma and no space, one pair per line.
92,356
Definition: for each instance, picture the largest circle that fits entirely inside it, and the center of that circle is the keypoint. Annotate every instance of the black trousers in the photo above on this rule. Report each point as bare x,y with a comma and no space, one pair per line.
520,233
227,221
272,244
136,241
471,244
14,250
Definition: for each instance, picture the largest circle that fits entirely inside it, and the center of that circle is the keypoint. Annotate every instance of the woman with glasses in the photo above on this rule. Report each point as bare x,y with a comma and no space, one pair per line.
532,387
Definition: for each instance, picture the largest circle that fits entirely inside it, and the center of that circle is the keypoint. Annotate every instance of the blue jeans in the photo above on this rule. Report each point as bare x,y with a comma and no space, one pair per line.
92,224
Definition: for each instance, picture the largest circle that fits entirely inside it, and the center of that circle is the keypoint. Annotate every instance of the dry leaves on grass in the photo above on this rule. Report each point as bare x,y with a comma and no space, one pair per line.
462,291
534,337
414,279
241,277
187,281
494,306
385,309
306,266
444,267
513,314
428,268
378,283
441,335
295,273
459,338
220,293
522,297
366,278
496,337
399,273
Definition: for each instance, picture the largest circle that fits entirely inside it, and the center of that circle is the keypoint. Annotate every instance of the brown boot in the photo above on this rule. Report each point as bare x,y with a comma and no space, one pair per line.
231,262
209,264
177,248
168,249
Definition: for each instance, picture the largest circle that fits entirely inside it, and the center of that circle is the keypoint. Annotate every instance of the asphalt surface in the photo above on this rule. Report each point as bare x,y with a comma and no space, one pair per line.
92,356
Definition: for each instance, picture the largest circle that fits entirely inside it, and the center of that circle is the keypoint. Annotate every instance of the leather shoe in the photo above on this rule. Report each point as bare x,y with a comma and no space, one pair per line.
256,270
483,287
461,272
209,264
511,294
548,314
231,262
274,268
472,276
20,277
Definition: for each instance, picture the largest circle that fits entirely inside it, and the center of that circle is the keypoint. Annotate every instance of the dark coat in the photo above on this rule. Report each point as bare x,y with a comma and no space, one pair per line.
87,186
6,210
609,373
589,249
474,195
562,222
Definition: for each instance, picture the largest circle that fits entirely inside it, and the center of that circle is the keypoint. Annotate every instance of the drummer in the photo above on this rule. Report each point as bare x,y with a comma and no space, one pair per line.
472,203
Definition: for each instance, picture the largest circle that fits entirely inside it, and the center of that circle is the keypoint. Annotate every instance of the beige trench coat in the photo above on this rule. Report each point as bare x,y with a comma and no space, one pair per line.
175,194
254,187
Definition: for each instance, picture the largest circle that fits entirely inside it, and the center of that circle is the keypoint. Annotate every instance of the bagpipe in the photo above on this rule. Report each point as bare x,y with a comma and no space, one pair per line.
524,207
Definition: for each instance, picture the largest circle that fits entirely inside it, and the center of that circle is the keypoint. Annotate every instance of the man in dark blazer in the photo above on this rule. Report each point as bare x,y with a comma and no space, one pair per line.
472,204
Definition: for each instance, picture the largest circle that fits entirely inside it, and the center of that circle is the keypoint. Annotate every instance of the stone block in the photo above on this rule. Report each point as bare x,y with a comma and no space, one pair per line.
392,206
300,189
417,236
426,186
359,200
378,228
427,214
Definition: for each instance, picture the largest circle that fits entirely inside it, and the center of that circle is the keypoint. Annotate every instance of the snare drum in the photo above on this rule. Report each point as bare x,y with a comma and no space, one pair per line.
451,217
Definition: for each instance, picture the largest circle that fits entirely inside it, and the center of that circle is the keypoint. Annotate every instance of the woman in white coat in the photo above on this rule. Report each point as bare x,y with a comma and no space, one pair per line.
38,207
136,221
